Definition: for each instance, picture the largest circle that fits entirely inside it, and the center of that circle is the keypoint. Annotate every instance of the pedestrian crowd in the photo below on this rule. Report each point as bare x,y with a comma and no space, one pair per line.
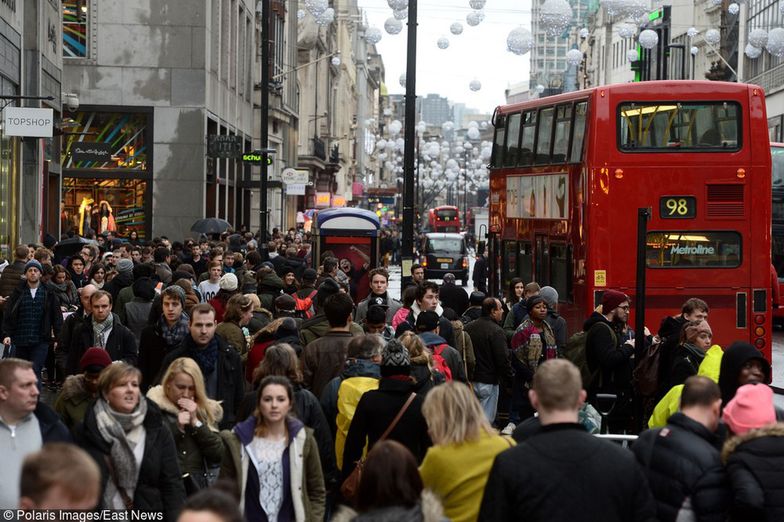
208,380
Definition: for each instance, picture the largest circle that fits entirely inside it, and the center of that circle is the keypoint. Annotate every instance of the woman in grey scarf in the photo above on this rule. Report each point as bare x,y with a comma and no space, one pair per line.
126,436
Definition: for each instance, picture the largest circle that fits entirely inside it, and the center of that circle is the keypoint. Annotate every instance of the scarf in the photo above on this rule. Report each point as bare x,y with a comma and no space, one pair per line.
694,355
173,335
206,357
121,431
100,328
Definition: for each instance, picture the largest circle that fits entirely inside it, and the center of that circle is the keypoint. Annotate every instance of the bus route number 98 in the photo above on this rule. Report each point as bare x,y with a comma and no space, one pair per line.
678,207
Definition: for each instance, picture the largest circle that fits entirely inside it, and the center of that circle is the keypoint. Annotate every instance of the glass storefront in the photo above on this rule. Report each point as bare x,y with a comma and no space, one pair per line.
9,190
104,205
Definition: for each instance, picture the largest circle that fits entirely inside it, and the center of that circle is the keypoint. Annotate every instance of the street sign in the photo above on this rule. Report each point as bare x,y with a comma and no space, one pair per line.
255,157
224,146
295,189
294,176
26,121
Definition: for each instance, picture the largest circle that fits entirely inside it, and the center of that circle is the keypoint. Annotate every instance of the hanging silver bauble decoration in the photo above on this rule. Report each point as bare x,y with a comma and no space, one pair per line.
752,51
475,85
443,42
694,50
758,37
632,55
456,28
316,7
733,9
584,32
397,5
555,16
627,30
519,41
373,35
620,9
540,88
301,14
402,14
691,32
393,26
712,36
775,45
335,61
477,4
574,56
394,127
648,39
473,134
475,18
326,18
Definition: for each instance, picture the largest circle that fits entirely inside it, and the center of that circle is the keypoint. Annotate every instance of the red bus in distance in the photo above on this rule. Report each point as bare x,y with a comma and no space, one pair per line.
569,172
445,218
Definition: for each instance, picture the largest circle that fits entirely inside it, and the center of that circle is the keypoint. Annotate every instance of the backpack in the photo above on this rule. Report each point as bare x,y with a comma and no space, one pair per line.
645,376
303,306
575,352
439,362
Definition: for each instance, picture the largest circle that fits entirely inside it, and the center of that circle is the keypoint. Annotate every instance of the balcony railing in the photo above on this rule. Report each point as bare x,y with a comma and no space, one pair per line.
771,80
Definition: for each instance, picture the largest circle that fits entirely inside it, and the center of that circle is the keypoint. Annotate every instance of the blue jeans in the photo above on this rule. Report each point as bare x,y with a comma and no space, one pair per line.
488,398
36,354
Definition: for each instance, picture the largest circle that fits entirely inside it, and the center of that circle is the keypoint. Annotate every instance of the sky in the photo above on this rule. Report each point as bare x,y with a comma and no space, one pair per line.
478,53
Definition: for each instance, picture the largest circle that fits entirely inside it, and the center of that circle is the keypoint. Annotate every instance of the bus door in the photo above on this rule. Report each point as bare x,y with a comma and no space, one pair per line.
542,265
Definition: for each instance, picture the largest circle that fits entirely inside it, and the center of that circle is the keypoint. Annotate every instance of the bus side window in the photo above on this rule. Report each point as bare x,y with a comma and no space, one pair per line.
527,140
578,132
497,159
562,126
512,140
544,135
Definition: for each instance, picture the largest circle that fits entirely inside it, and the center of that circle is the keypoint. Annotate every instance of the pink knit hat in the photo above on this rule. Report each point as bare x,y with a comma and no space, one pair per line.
751,408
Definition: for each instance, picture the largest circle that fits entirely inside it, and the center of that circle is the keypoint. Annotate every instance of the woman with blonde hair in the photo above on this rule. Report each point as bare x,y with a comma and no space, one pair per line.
421,362
456,467
192,418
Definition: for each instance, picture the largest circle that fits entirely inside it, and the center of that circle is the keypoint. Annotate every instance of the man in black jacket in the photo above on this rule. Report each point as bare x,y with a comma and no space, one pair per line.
492,362
219,362
562,473
453,296
682,461
104,330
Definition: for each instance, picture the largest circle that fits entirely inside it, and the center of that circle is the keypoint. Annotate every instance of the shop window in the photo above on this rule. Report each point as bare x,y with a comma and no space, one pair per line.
104,205
107,140
75,26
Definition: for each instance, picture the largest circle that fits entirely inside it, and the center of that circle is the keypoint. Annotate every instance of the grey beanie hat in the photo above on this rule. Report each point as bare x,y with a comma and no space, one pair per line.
125,266
550,296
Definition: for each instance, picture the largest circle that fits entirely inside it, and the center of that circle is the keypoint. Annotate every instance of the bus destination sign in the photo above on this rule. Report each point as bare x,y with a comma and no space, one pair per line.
678,207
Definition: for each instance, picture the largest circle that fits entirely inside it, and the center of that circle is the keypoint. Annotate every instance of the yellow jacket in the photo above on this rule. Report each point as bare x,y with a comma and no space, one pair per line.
671,402
457,474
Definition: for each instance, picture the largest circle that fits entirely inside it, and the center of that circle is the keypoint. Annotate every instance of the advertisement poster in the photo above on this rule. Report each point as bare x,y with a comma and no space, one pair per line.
353,255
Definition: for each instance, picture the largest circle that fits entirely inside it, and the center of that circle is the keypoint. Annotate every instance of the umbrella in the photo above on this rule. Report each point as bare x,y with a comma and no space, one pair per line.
71,246
210,226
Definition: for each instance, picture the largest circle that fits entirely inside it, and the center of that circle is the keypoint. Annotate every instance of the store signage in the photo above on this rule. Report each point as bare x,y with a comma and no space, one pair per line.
224,146
294,176
255,158
25,121
295,189
323,199
91,151
338,201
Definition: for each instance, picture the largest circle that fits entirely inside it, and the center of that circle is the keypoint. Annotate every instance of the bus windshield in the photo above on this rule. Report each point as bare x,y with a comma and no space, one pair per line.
446,215
674,126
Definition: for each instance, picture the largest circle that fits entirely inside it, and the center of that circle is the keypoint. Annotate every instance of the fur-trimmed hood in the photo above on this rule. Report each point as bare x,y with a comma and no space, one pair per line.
774,430
73,388
428,509
157,395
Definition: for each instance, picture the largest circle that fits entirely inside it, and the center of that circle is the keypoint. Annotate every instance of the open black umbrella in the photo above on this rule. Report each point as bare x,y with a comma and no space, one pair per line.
71,246
210,226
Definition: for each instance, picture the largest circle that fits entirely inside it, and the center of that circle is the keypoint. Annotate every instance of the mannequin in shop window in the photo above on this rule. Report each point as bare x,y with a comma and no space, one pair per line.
107,218
85,214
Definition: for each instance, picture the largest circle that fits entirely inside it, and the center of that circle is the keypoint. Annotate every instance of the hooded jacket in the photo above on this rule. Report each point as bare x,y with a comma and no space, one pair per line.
301,468
318,326
72,402
755,464
196,447
682,463
735,356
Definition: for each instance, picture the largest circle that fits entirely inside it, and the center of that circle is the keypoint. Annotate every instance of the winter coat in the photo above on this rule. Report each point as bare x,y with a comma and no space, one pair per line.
393,305
66,336
755,465
451,356
423,375
400,316
445,329
318,326
52,428
233,334
72,402
197,448
374,414
51,321
231,385
563,474
492,358
454,297
135,316
152,350
308,410
472,314
684,470
669,334
731,365
306,484
120,281
159,486
120,344
685,363
428,509
607,356
558,325
11,277
465,347
323,360
67,296
329,396
671,401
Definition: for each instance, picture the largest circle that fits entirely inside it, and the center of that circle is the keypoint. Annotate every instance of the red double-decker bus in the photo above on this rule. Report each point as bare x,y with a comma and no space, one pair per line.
445,218
569,172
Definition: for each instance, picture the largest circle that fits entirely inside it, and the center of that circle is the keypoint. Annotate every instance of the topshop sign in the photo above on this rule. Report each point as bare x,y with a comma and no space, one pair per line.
24,121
